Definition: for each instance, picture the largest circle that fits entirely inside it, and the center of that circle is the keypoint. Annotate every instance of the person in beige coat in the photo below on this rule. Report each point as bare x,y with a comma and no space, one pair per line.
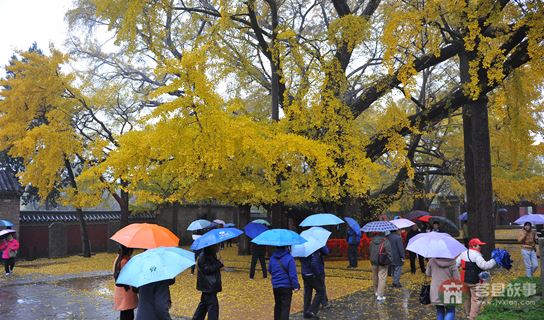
441,270
529,240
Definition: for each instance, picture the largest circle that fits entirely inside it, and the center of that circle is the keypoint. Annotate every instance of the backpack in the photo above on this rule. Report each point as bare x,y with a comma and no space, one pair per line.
471,271
383,257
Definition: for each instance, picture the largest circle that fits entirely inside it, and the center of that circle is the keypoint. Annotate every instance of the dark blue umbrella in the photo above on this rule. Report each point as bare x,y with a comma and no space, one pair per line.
5,223
215,236
379,226
279,238
353,225
463,216
254,229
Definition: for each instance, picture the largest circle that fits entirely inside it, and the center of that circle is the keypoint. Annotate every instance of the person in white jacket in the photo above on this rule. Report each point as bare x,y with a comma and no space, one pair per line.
472,263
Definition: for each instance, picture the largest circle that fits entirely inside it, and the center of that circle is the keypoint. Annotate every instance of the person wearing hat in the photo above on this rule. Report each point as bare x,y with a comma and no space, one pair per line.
528,239
472,263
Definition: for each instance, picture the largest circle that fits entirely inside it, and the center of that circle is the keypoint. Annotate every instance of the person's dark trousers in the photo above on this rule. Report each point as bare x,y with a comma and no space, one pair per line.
413,262
208,304
254,263
352,255
127,315
282,306
9,264
325,301
313,283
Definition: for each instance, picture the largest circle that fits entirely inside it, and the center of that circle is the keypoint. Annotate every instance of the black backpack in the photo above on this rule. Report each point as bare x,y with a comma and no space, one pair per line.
472,271
383,257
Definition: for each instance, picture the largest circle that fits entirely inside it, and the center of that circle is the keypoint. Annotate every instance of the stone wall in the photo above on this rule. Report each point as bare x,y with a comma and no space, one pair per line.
10,209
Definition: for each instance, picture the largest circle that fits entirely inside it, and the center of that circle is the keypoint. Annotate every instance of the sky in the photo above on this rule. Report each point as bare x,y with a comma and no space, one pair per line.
23,22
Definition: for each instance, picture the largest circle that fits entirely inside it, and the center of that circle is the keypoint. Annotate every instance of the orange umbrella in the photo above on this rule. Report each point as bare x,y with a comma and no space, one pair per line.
145,236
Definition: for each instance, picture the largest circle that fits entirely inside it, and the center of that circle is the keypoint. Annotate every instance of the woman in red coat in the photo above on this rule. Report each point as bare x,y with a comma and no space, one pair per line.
9,247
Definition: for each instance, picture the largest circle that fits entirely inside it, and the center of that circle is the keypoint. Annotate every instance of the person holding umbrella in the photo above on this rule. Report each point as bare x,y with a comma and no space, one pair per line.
380,254
472,263
258,252
125,298
208,281
441,270
397,254
528,239
9,247
353,238
414,231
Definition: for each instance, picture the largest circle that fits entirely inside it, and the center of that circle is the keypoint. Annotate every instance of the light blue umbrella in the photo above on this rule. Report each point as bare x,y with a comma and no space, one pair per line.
215,236
278,238
463,216
321,219
353,225
154,265
5,223
199,225
435,245
532,218
316,239
261,221
229,225
379,226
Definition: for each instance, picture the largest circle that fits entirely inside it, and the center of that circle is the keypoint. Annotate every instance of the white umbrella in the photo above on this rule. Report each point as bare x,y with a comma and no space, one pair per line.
435,245
219,221
317,238
402,223
532,218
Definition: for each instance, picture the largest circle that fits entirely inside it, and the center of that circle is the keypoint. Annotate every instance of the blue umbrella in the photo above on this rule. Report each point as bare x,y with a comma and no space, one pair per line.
353,225
254,229
199,225
463,216
154,265
229,225
321,219
435,245
215,236
278,238
316,239
261,221
5,223
532,218
379,226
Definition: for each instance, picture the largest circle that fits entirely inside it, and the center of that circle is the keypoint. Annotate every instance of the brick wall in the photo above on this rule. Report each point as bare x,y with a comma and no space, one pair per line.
9,209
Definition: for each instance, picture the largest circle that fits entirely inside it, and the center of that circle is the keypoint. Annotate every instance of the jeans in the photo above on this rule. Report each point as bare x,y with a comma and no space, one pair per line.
282,306
254,259
445,313
352,254
313,283
397,271
530,260
208,304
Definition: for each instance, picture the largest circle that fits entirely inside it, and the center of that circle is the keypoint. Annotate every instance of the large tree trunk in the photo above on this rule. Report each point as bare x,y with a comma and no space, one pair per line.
243,219
123,204
479,191
85,243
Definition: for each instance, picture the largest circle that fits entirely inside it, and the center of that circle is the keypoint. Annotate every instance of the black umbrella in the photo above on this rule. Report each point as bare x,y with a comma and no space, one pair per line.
446,225
416,214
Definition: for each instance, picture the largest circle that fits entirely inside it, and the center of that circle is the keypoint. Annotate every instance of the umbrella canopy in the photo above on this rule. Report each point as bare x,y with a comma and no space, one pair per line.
532,218
435,245
353,225
215,236
155,265
379,226
278,238
199,225
4,232
5,223
316,239
145,236
446,225
424,218
402,223
321,219
502,210
261,221
253,229
229,225
416,214
219,221
463,216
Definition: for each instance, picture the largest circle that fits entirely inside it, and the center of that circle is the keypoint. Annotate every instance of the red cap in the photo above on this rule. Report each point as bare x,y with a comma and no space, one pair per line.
475,242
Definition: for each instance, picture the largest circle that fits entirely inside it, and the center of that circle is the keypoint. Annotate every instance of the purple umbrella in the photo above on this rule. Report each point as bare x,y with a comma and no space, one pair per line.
435,245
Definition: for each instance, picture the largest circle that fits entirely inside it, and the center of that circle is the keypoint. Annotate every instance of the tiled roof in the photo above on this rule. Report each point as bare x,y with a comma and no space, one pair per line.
9,185
29,217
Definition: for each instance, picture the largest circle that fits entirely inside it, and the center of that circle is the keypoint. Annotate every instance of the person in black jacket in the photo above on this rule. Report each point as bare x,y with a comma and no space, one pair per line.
155,301
209,282
414,230
258,252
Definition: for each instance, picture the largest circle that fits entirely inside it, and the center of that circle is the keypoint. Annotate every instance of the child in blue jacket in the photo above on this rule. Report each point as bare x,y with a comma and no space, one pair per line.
283,271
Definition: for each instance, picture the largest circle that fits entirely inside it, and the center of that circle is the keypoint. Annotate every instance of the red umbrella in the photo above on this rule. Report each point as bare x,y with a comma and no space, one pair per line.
424,218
